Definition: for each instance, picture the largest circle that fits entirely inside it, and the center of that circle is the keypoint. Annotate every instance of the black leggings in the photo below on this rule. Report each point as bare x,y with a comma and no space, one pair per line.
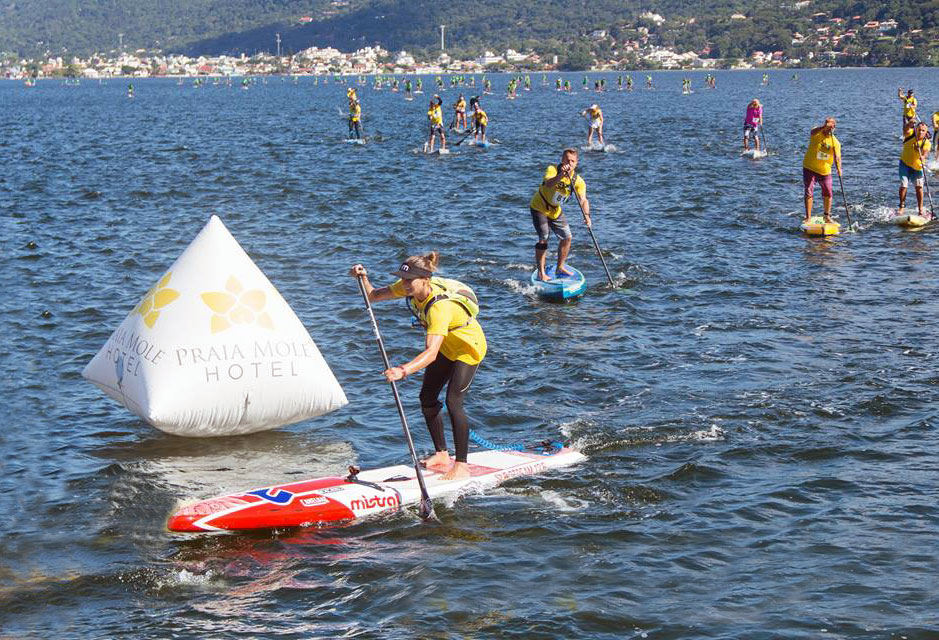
457,376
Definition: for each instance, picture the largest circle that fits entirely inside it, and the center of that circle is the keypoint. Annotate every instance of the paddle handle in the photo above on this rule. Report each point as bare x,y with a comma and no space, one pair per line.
427,507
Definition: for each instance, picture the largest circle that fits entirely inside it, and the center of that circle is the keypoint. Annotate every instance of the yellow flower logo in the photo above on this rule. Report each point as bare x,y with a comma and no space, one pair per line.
237,306
155,299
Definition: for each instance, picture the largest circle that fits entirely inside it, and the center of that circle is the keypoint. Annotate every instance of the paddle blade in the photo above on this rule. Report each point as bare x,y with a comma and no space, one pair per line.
426,510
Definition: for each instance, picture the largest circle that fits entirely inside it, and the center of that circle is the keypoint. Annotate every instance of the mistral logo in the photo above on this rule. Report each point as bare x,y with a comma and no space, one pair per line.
375,502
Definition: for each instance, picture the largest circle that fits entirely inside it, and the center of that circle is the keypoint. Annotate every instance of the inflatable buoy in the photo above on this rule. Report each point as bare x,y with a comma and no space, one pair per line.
213,349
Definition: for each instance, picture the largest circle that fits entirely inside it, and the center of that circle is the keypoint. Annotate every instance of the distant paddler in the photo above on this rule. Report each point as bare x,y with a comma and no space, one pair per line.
435,119
130,90
420,85
355,117
407,88
823,150
453,348
459,115
648,82
546,212
909,107
595,115
480,120
557,84
916,146
629,82
751,125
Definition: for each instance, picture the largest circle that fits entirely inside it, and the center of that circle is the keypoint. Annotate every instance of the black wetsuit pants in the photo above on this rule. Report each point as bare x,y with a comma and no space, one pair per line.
457,376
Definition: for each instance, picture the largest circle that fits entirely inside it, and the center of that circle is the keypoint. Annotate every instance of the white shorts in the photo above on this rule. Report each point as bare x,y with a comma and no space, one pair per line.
595,124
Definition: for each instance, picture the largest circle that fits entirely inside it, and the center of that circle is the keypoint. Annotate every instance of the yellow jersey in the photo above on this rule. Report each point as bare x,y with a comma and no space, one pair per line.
823,148
355,111
480,117
460,105
935,120
463,337
548,200
910,156
909,107
435,115
595,114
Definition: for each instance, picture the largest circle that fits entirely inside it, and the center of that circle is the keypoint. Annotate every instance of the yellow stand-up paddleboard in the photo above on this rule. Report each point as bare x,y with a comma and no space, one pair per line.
818,227
910,220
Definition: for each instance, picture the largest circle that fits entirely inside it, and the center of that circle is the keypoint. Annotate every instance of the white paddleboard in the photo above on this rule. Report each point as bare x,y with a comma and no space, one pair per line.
333,500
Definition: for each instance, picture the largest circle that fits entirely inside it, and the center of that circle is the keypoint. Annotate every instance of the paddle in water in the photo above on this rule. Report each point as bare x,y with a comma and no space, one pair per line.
426,509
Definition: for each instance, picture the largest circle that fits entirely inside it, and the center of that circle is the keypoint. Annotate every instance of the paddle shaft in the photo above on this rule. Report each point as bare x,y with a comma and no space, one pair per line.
844,198
922,160
763,135
596,245
427,507
932,211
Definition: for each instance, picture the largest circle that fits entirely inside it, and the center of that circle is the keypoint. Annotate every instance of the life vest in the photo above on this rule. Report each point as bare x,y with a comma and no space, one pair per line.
450,289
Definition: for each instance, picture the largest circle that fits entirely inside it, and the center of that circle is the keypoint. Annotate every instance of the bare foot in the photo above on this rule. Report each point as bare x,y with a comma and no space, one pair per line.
543,276
828,220
438,462
458,471
807,220
563,271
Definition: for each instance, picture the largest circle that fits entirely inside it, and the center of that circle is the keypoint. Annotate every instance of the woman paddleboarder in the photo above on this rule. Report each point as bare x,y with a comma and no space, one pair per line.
454,347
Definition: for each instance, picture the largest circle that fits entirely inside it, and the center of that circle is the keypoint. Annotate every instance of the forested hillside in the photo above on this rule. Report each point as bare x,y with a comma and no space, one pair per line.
566,28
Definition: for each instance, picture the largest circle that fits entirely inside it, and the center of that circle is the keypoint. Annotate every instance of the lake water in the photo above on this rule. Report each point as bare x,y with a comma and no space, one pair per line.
759,409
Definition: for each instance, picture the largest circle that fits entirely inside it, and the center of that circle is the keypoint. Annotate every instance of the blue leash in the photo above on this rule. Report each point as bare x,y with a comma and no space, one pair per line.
547,445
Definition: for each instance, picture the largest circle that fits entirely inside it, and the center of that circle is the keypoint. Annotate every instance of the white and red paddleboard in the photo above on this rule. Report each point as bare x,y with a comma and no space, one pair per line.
332,501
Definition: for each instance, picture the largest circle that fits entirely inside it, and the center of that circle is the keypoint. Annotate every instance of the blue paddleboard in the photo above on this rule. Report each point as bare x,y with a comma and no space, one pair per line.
559,288
482,144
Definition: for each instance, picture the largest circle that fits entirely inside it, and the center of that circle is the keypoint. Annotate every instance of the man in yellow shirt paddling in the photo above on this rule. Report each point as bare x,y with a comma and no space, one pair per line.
546,213
909,106
916,146
823,150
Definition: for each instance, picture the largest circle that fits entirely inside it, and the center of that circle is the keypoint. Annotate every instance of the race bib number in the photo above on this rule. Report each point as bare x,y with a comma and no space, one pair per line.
559,198
822,156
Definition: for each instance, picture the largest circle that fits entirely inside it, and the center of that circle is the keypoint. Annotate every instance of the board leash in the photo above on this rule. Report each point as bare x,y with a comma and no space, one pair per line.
546,445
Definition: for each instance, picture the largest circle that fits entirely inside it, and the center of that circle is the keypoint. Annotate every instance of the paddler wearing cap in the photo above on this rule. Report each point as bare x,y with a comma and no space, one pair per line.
546,212
435,119
909,107
454,346
596,123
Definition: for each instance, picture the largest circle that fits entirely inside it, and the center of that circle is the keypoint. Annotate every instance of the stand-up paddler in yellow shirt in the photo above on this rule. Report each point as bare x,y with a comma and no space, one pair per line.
454,347
435,118
909,106
546,213
824,150
916,146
